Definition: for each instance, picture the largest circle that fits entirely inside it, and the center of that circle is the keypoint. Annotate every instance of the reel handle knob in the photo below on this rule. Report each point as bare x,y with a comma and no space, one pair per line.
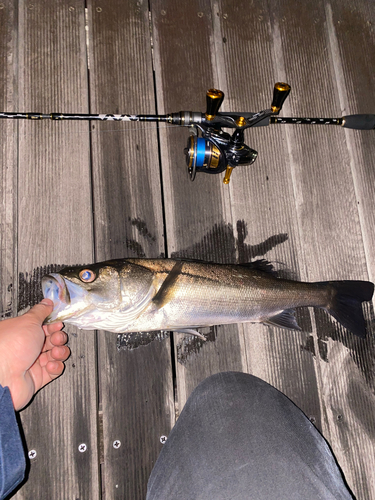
280,93
214,99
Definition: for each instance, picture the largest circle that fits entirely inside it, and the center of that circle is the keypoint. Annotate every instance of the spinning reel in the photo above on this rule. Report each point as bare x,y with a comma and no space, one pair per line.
215,151
209,149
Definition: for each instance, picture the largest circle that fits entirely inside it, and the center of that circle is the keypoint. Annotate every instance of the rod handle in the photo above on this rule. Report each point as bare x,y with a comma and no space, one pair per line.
280,93
359,122
214,99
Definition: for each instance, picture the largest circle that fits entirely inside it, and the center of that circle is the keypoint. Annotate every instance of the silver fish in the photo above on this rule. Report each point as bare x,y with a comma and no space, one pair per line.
140,295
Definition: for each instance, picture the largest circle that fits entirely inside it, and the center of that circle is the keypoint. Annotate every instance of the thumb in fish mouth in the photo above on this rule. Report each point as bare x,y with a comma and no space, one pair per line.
54,288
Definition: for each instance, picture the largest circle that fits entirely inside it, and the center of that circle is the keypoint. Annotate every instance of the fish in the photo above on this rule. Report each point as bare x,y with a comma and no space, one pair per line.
144,295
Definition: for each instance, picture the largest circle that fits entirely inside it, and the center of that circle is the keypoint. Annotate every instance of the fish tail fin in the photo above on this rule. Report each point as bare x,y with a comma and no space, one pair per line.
346,304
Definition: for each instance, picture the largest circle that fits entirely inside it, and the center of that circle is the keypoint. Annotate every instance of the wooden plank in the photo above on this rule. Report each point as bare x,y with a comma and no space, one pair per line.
136,387
8,160
329,222
55,227
353,47
352,40
263,195
198,218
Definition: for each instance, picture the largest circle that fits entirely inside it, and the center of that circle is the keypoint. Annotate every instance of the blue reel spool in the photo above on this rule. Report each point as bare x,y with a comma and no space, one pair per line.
202,155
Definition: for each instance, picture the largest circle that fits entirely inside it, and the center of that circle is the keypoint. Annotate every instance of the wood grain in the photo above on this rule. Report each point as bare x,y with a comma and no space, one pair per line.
8,160
329,220
136,387
55,226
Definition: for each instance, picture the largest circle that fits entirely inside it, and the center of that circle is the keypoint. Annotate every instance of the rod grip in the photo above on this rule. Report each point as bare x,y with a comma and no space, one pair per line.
280,93
359,122
214,99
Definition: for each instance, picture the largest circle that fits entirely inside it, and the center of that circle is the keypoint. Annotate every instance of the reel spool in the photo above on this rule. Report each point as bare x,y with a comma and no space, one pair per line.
203,155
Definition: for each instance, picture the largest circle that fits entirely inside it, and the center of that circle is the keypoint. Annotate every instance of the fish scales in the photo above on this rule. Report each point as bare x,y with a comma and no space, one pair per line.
134,295
207,293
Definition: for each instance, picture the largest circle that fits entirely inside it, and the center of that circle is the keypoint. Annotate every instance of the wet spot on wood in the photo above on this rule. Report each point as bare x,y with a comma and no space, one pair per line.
309,345
190,345
142,228
222,245
130,341
219,244
247,252
135,248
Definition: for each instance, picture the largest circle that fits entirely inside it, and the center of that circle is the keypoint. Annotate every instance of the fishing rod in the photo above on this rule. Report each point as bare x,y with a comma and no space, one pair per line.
209,149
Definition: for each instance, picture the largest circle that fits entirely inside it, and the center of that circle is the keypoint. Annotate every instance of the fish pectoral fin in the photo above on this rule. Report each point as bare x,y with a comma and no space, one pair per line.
165,292
190,331
285,319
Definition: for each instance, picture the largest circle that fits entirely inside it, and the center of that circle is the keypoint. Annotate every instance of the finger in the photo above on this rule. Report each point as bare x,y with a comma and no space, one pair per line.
59,338
53,327
55,354
60,353
41,311
56,339
54,369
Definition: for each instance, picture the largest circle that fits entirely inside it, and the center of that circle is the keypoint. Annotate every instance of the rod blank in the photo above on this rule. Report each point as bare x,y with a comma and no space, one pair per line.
78,116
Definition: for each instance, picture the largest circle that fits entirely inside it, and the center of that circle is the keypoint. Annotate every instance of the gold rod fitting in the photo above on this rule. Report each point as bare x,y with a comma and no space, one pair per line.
228,173
241,121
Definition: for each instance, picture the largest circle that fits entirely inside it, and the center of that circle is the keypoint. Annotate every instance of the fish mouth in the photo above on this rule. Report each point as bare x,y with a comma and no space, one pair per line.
55,289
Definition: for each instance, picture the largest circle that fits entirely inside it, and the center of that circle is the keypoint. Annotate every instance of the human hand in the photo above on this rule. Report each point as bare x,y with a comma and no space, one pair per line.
31,355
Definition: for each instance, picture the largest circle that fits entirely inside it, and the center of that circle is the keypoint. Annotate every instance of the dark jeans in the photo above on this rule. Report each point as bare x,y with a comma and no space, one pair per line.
240,438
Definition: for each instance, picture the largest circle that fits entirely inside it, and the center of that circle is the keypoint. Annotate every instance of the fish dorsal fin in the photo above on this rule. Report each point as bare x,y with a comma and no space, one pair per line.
260,265
285,319
165,292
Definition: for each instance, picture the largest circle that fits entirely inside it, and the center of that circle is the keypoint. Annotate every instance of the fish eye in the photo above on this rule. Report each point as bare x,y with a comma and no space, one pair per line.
87,276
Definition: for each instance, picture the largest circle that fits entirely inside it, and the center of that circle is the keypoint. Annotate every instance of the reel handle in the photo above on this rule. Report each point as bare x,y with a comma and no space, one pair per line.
228,173
280,93
214,99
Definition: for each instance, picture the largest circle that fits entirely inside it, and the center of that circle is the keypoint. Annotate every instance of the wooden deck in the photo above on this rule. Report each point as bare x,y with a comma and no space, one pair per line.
75,192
